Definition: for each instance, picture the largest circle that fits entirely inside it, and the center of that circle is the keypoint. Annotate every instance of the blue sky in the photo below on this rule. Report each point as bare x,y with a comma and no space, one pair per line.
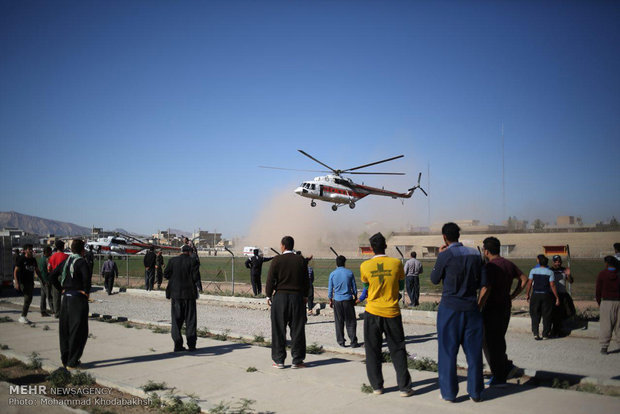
153,114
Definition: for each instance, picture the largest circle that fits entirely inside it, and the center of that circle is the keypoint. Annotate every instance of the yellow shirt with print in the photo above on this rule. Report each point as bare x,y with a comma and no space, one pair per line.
382,273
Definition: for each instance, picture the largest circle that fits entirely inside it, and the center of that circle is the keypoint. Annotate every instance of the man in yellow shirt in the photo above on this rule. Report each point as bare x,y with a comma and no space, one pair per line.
383,277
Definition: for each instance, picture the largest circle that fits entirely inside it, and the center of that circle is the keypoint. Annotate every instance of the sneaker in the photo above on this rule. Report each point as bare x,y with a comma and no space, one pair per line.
277,366
407,393
378,392
355,345
603,350
300,365
23,319
537,338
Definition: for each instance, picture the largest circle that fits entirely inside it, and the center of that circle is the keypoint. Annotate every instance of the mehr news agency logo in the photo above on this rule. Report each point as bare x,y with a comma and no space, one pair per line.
22,395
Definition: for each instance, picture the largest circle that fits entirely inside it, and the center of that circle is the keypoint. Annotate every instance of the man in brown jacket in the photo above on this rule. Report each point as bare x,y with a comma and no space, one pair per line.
287,290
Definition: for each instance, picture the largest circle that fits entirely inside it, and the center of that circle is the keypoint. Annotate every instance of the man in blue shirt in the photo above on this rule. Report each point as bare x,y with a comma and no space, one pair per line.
342,294
459,321
542,283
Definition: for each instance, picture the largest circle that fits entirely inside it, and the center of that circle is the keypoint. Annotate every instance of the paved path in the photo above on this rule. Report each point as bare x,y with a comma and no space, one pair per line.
217,372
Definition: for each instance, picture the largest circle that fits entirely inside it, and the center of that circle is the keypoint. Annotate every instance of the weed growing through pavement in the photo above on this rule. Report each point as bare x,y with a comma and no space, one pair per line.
222,336
46,328
243,406
259,338
251,369
176,405
422,364
59,378
203,333
314,349
5,319
82,378
153,386
160,329
35,361
366,389
558,383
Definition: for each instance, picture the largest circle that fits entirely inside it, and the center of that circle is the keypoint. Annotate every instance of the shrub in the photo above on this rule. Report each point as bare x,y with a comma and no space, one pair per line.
314,349
82,378
59,378
366,389
153,386
35,361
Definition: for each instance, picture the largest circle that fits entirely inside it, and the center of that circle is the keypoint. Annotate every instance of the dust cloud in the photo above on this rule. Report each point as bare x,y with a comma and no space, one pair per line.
315,229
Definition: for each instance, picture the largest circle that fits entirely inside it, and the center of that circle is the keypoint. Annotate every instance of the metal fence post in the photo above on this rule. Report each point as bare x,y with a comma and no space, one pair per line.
233,269
127,269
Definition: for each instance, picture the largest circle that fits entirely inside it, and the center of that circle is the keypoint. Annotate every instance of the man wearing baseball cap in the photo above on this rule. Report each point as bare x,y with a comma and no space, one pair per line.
566,309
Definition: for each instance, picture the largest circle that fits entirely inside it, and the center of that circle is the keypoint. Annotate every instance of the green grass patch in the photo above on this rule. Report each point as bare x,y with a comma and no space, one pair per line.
422,364
427,306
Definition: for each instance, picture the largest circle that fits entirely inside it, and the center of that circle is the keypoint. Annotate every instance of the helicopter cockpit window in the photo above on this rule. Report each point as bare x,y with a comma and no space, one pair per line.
339,181
312,186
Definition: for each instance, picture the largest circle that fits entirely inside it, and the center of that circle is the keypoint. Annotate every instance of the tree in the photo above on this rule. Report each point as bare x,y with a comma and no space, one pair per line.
538,225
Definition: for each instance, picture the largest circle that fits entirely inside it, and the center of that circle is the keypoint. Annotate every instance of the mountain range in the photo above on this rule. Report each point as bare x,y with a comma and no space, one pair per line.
40,226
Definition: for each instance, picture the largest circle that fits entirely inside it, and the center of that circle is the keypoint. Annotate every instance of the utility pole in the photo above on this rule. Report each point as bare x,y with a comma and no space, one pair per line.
503,178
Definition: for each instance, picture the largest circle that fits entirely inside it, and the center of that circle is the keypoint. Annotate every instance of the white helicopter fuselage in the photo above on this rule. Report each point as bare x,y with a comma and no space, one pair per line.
331,188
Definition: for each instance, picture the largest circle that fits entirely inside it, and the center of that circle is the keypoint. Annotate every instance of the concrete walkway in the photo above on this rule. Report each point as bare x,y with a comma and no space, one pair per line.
127,358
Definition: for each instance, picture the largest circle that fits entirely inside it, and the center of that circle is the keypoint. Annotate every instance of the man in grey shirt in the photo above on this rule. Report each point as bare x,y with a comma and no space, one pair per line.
413,268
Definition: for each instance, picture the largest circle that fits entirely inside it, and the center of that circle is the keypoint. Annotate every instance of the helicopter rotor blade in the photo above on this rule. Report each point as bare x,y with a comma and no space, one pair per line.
419,177
291,169
373,163
314,159
373,173
425,193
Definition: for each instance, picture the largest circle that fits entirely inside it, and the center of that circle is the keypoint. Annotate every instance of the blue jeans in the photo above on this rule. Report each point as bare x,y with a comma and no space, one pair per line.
456,328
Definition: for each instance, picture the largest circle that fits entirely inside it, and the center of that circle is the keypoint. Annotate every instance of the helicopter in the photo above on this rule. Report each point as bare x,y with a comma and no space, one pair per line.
124,244
342,191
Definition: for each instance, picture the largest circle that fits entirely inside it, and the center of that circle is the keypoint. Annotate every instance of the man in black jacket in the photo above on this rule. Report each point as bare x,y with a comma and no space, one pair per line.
287,284
73,279
149,268
183,275
255,264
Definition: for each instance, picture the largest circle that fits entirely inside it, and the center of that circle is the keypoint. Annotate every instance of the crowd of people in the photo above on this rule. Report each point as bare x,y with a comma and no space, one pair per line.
474,311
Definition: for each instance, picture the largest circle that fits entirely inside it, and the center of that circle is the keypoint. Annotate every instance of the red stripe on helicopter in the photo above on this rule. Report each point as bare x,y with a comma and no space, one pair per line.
343,192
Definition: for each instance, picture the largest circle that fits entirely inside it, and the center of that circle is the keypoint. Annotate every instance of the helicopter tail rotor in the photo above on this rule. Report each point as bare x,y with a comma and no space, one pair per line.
415,187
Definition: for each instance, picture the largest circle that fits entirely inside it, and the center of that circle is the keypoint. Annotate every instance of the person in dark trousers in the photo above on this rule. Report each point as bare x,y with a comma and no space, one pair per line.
255,264
413,268
159,269
496,303
149,268
286,289
183,275
459,321
342,294
89,256
310,282
54,261
383,278
542,283
608,298
73,279
46,286
566,309
109,270
23,278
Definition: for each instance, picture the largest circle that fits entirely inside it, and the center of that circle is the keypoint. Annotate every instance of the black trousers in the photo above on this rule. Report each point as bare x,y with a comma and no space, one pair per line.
27,289
374,328
344,313
311,297
73,328
413,289
149,278
55,300
496,322
287,309
108,281
541,305
562,312
257,287
46,296
159,276
183,311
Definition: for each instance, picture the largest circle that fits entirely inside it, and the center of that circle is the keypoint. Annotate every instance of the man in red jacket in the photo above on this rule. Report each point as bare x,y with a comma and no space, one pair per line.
608,298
